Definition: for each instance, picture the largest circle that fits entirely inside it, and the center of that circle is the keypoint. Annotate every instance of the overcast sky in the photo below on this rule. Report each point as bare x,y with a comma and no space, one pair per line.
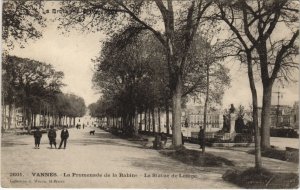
72,54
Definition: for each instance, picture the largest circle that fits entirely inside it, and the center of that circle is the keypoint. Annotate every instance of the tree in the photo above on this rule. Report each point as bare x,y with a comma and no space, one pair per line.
115,11
131,75
211,75
29,83
254,25
21,20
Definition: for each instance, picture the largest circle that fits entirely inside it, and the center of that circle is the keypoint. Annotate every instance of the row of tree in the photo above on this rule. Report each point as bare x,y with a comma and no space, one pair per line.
251,27
252,31
35,87
132,77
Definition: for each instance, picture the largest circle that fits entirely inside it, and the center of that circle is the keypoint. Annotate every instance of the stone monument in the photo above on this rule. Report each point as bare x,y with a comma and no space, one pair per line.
232,118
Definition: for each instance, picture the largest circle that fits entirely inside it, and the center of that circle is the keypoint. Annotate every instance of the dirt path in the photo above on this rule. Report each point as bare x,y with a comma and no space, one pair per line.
114,163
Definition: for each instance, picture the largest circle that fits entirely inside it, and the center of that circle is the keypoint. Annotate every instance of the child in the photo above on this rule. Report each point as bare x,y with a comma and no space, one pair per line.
37,138
52,136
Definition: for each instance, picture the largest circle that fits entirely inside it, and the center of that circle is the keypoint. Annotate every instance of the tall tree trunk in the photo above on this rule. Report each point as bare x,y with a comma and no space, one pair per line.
136,123
24,117
59,120
10,111
153,120
149,120
145,117
3,111
167,116
265,115
258,161
176,112
205,106
34,120
113,121
140,123
28,118
159,124
48,116
53,119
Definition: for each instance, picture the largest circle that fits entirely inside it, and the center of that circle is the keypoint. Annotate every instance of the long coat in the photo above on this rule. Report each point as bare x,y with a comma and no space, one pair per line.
201,137
64,134
37,134
52,134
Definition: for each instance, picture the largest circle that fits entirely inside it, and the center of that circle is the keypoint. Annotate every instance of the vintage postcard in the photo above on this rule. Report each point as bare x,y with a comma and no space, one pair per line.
160,94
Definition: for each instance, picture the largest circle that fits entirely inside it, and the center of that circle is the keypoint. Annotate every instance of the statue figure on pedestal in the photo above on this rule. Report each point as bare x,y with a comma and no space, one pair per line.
232,118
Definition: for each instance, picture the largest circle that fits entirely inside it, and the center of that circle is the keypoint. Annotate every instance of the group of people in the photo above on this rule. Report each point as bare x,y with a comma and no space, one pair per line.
64,135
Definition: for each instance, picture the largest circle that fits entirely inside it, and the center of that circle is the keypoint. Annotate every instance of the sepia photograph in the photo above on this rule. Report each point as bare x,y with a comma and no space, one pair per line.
150,94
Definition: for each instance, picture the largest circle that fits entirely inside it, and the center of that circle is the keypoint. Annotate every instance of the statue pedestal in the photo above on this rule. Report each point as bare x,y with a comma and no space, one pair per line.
232,132
232,123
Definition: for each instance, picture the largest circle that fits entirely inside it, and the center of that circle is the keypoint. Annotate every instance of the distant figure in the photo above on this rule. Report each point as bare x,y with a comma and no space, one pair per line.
186,124
37,138
182,139
201,137
164,138
83,126
64,135
92,132
52,136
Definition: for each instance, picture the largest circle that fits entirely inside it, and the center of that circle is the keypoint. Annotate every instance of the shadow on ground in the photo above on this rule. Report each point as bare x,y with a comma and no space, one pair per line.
102,138
11,143
163,164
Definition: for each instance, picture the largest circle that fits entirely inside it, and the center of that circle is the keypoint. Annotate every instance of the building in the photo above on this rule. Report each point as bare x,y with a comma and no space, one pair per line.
193,119
281,116
16,117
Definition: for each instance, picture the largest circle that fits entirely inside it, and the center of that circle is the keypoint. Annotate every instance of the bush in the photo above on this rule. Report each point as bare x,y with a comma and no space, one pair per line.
196,158
271,153
261,178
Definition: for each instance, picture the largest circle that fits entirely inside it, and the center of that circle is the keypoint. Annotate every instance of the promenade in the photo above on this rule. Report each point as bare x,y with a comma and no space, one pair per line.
103,160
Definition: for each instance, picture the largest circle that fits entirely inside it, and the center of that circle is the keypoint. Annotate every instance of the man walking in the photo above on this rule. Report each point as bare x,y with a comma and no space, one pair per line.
37,138
201,137
52,136
64,135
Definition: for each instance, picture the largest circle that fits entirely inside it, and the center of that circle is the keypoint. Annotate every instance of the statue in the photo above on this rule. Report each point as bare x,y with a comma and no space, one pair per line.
232,109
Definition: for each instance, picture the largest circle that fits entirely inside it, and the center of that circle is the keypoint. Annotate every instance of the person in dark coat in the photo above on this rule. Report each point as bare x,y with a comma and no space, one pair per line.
201,137
182,138
52,136
64,135
37,138
164,138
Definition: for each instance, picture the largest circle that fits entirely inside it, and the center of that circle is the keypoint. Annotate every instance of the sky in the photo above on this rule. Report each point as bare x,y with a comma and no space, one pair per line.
73,54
